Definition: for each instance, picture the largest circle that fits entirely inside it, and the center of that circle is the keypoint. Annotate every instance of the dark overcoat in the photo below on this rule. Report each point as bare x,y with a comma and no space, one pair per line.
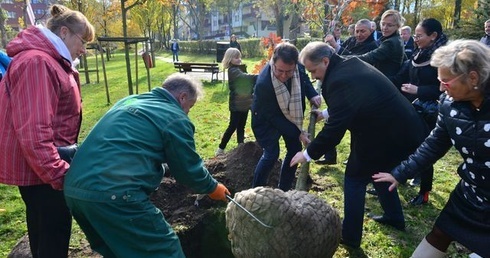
265,108
384,126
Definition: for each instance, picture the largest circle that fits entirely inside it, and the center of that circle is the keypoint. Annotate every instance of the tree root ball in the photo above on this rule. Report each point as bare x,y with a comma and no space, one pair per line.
302,225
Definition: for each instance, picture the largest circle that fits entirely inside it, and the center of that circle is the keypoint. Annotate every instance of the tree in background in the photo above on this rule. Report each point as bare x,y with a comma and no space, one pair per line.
269,44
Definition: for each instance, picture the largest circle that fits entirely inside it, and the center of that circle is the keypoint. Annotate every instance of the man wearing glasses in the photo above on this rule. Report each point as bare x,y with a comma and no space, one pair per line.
277,111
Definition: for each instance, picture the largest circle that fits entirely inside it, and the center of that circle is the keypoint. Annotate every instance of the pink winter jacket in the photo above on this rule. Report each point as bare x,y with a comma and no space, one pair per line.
40,109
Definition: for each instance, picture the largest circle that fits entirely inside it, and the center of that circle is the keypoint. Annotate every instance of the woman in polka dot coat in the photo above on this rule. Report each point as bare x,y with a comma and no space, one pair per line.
463,122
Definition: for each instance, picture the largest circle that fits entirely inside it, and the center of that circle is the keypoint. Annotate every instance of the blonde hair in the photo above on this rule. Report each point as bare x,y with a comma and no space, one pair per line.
74,20
396,15
229,55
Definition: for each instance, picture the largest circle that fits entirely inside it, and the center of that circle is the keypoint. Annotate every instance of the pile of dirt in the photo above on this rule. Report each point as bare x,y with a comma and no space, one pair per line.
234,169
196,225
201,229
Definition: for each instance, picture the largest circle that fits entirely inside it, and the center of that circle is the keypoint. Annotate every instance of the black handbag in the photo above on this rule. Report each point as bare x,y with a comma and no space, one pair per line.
67,152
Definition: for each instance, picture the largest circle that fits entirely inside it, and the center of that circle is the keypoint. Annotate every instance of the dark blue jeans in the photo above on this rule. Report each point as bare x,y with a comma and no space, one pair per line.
175,56
354,201
268,138
237,122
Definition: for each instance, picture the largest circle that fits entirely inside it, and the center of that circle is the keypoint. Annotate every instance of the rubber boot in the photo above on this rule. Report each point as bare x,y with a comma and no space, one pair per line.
426,250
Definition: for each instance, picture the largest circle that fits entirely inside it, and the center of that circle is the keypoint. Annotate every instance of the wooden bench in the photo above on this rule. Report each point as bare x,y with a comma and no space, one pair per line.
212,68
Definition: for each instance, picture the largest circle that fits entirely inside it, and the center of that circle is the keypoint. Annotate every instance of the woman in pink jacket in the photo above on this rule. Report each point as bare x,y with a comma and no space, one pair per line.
41,112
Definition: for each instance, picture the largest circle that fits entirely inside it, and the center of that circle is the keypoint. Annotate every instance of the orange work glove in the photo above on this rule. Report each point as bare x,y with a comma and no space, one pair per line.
219,193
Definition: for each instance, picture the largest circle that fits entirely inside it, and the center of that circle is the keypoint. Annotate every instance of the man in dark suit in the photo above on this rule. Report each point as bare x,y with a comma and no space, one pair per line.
384,130
376,33
406,35
363,43
277,111
486,39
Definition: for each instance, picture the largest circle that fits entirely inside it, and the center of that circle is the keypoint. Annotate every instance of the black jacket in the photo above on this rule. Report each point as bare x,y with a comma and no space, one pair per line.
388,57
422,75
384,126
468,130
359,48
409,48
241,87
265,108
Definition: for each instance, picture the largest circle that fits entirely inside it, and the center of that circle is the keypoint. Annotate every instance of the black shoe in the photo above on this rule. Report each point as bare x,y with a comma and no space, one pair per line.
400,225
349,245
372,191
324,161
420,199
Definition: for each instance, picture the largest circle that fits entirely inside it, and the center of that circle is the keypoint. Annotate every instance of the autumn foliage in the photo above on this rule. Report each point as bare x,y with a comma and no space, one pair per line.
269,44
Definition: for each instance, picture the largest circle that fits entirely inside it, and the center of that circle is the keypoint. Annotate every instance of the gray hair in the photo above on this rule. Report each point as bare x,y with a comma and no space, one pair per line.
406,28
364,22
464,56
315,52
178,83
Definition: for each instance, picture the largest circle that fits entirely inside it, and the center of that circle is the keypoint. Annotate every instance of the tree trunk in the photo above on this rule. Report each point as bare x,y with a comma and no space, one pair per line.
301,184
3,31
457,13
126,46
295,24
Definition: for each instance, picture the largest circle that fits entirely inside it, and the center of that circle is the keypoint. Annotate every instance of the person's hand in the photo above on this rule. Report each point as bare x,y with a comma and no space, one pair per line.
409,88
304,138
386,177
330,39
298,158
318,113
219,193
316,101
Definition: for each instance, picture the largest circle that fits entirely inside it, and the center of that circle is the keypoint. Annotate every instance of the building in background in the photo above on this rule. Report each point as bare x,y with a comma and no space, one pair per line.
28,11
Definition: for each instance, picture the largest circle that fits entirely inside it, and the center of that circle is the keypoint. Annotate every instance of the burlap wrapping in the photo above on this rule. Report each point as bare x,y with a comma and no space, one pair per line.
303,225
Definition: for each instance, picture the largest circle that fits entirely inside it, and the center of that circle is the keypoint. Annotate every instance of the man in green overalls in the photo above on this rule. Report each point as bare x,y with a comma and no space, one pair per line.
120,164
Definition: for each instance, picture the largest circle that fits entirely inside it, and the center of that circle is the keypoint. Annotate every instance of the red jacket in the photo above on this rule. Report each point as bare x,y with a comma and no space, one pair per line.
40,108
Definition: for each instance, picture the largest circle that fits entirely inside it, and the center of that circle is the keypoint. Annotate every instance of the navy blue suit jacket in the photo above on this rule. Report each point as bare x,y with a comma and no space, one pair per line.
265,108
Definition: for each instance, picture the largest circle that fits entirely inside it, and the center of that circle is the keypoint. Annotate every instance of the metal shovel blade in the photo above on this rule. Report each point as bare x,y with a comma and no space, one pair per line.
248,212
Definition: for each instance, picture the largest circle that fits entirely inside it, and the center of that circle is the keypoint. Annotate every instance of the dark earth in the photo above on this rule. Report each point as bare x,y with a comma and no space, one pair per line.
201,228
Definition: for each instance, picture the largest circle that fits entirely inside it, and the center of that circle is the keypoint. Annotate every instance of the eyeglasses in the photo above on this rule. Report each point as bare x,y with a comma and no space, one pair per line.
84,42
448,83
383,24
417,37
279,71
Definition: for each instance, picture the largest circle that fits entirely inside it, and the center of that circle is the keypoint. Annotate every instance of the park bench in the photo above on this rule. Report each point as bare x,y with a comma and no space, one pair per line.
185,67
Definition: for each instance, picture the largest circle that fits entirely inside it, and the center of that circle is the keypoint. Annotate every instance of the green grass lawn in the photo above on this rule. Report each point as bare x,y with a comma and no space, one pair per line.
210,117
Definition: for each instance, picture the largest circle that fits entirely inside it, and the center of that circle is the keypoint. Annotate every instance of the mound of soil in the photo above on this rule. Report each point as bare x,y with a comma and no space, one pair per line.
201,228
196,225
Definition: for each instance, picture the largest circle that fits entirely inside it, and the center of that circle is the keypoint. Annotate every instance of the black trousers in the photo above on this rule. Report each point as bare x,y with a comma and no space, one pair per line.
48,221
238,120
